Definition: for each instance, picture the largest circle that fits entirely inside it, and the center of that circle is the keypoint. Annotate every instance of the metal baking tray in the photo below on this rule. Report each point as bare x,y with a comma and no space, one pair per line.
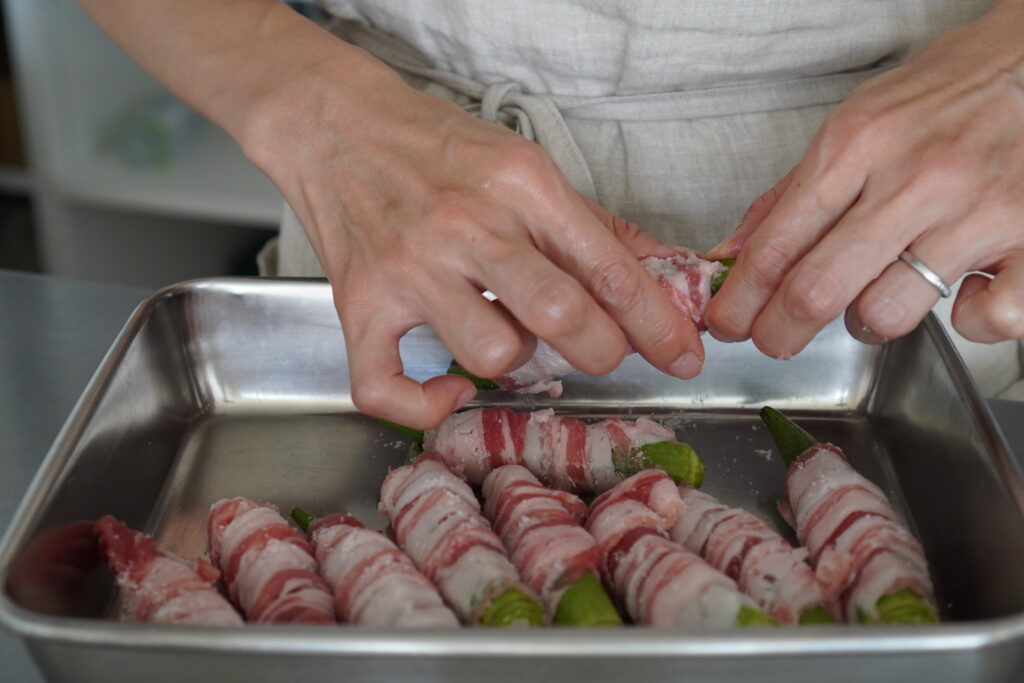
238,387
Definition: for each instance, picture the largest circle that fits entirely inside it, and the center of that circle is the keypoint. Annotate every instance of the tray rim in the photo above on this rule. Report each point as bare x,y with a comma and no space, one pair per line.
965,636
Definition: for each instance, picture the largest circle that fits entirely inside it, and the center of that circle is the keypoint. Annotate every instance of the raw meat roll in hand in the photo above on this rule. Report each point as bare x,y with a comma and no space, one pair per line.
660,582
744,548
542,531
436,520
160,587
860,549
562,452
374,583
267,564
689,282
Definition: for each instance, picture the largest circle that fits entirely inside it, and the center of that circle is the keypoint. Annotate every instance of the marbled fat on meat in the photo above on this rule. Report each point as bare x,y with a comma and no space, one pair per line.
659,581
374,583
562,452
436,520
860,549
541,529
158,586
764,565
268,566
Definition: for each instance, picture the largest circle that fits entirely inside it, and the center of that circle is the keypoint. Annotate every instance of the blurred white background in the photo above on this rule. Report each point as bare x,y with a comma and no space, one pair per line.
103,175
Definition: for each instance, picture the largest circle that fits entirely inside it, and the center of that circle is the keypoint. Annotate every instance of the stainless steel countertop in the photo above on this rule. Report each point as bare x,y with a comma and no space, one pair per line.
53,334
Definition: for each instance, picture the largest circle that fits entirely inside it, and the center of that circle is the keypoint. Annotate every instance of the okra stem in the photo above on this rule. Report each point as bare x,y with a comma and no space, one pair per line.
478,382
585,603
303,518
815,615
513,607
902,607
414,434
791,439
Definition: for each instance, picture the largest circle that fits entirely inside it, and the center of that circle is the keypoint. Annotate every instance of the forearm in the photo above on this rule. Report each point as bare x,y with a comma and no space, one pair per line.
233,60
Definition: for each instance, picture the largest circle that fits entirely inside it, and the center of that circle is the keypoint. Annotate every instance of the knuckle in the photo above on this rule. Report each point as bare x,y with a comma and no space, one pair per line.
518,160
371,397
558,309
493,355
817,298
616,285
1006,318
768,266
447,209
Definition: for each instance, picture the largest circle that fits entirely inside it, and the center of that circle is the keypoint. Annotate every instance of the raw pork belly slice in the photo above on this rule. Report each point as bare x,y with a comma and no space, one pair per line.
686,278
158,586
659,582
748,551
562,452
374,583
436,520
542,531
268,565
857,543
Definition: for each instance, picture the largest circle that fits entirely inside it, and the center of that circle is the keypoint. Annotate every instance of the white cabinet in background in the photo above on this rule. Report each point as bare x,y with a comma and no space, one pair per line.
98,217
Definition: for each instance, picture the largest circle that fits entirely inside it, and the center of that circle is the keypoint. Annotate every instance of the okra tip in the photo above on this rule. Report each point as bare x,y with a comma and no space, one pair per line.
479,382
790,438
513,607
303,518
415,434
585,603
903,607
678,460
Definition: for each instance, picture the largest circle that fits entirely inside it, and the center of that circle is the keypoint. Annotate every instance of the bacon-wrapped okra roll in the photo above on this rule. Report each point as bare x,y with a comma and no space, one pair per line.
744,548
541,529
660,582
562,452
375,583
436,520
858,545
158,586
689,282
267,564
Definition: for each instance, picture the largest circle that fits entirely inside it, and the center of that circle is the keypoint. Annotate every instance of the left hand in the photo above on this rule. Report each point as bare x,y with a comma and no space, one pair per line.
928,157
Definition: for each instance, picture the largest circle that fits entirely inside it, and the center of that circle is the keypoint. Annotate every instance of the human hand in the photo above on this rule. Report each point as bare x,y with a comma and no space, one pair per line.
414,207
929,158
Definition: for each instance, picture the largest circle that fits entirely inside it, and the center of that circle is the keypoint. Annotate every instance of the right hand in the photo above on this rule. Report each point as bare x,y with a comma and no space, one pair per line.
414,207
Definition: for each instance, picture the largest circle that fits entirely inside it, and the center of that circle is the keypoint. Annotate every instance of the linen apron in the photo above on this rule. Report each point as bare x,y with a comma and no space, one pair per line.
674,115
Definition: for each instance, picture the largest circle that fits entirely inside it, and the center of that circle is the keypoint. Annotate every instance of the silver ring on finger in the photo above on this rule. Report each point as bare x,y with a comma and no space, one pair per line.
927,273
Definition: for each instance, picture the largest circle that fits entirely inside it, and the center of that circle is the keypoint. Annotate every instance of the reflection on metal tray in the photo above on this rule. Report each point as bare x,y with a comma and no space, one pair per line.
231,387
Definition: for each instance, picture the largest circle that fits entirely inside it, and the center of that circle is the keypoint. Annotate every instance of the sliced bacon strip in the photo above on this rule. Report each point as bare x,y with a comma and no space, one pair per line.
158,586
744,548
562,452
541,529
268,566
660,582
375,583
859,547
436,520
685,278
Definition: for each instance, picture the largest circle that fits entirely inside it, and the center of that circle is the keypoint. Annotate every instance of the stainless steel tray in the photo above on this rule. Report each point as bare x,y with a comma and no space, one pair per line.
238,387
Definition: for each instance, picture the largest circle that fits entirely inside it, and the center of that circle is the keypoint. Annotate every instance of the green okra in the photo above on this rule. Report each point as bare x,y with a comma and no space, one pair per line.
815,615
902,607
585,603
749,616
303,518
678,460
718,280
415,434
513,607
478,382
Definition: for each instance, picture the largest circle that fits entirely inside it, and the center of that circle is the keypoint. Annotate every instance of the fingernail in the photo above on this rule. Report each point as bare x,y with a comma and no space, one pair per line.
722,337
686,367
861,332
464,398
